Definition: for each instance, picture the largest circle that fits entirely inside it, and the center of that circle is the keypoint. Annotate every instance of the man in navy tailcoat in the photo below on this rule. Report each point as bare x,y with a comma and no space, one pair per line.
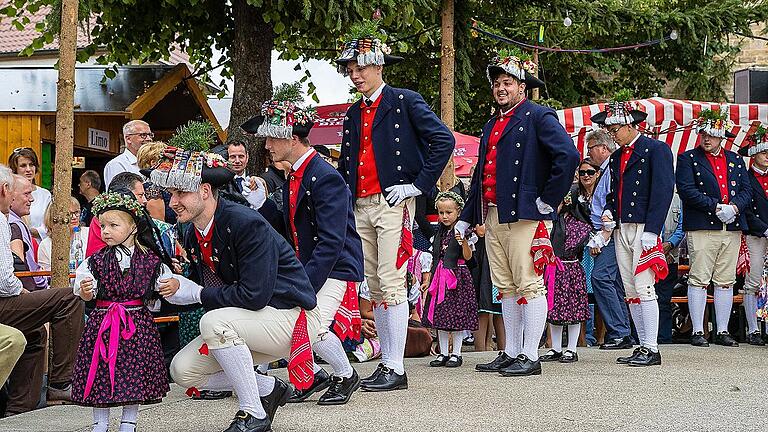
527,166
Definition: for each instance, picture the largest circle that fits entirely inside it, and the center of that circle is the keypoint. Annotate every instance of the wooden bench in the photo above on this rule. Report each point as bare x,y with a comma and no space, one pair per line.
47,273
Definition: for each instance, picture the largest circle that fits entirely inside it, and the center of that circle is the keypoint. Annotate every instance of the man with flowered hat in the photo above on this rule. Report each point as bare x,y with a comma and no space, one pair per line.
260,305
527,167
757,225
642,185
715,190
393,149
321,229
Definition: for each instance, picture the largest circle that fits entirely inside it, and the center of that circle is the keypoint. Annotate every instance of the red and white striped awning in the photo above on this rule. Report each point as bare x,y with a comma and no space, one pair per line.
669,120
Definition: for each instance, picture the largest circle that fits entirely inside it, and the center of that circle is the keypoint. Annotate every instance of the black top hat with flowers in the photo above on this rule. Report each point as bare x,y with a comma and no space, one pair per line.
715,123
186,162
757,142
365,44
516,63
620,111
283,116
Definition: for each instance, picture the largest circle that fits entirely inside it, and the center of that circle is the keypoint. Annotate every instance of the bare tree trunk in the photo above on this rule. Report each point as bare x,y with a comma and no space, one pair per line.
251,64
65,139
447,110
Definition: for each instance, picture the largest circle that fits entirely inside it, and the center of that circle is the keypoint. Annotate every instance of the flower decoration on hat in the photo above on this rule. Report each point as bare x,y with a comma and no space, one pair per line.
715,123
117,201
513,62
365,44
283,116
187,162
757,142
621,110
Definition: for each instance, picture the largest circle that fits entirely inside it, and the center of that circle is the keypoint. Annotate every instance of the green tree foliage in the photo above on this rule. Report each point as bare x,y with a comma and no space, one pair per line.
147,30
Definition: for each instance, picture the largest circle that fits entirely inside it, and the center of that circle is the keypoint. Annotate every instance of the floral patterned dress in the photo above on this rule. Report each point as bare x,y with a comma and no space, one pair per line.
571,304
139,370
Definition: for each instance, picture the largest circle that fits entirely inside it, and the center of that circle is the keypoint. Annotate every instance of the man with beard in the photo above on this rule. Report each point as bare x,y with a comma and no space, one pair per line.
527,168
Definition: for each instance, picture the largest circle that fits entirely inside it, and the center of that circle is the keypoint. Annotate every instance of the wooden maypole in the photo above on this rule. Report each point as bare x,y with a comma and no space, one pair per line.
65,139
447,65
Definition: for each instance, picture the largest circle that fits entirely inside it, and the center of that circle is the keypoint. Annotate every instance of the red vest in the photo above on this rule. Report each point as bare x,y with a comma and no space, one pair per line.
367,176
720,168
206,248
489,169
294,183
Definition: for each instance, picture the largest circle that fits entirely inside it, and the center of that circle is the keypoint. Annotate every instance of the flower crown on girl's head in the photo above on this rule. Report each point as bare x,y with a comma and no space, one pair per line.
450,195
117,201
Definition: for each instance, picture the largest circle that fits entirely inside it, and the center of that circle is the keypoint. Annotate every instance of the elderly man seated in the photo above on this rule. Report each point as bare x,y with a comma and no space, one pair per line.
28,311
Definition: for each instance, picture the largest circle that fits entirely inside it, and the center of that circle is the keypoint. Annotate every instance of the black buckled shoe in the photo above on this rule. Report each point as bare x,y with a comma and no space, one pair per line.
321,382
454,361
522,366
387,380
551,356
439,361
625,360
374,375
646,357
698,339
499,363
569,357
212,395
725,339
755,339
341,390
617,344
245,422
277,398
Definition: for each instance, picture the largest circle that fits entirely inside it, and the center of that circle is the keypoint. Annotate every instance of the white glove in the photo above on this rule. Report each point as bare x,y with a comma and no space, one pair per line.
255,192
188,293
543,207
398,193
726,213
608,222
649,240
461,228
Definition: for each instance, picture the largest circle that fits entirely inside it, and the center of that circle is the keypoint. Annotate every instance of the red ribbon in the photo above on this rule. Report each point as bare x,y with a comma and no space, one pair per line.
193,391
633,300
203,350
522,301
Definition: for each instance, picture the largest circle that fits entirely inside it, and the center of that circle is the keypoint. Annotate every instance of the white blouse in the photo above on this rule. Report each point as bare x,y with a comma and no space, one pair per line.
42,197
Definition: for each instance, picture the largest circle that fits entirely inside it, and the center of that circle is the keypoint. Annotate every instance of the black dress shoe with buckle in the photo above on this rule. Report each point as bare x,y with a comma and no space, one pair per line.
523,366
454,361
439,361
698,339
646,357
212,395
551,356
245,422
374,375
569,357
617,344
499,363
725,339
755,339
277,398
341,390
387,380
321,382
625,360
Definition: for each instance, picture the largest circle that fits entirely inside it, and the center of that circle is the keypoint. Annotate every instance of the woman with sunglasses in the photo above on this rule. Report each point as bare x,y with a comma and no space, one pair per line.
24,162
588,174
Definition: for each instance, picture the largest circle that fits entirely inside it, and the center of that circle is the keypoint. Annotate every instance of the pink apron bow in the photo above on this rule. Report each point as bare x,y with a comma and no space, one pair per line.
549,280
444,279
115,317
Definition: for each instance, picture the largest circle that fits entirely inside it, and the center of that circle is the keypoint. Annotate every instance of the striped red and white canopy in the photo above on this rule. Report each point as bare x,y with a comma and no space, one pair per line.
669,120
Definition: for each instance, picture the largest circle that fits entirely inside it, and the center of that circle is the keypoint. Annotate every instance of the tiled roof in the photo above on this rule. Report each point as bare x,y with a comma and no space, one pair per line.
13,40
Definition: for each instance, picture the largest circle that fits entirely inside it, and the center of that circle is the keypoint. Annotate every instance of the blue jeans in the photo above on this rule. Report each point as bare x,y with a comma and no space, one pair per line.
609,294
